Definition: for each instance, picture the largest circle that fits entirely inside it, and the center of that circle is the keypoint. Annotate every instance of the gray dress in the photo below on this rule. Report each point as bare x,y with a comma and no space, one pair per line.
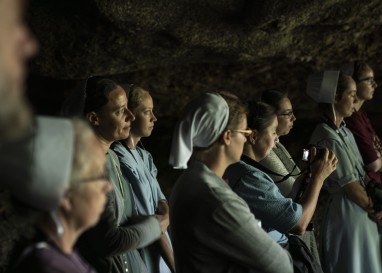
213,229
350,241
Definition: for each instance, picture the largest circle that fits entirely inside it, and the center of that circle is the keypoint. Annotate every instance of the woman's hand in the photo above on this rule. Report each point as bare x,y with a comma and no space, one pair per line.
324,164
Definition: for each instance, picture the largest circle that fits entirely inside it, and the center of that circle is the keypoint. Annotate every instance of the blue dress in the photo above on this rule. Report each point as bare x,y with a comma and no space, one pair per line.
138,168
350,241
278,214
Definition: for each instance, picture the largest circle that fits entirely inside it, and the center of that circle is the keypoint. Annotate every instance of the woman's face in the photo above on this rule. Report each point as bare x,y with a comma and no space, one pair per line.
114,119
144,121
366,84
88,195
238,140
265,140
345,106
285,117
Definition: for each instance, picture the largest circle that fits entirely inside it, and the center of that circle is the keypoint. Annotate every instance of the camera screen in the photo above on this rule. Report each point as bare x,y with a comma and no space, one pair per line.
305,155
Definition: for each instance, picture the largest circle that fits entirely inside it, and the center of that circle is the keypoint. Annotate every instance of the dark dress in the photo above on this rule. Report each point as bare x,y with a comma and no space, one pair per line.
367,140
45,257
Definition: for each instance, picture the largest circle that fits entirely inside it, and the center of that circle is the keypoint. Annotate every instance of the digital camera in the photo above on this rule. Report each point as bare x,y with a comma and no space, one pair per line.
306,152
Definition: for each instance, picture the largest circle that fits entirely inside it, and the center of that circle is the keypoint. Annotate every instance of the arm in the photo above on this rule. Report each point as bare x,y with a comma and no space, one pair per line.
375,166
108,239
321,169
356,193
164,243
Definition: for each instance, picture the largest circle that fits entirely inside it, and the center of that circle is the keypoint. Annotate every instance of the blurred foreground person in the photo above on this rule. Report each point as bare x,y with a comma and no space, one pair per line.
69,185
16,47
213,229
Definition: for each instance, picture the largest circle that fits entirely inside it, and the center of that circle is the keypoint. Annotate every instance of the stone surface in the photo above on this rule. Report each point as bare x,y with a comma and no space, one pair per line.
180,48
83,37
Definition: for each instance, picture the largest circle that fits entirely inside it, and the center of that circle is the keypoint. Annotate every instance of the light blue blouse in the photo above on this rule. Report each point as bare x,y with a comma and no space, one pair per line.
138,167
264,199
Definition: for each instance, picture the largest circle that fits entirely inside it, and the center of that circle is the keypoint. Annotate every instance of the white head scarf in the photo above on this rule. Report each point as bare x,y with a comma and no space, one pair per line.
322,86
203,121
37,171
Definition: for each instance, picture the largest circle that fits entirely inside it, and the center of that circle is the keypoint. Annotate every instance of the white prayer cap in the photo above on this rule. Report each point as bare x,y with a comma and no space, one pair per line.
204,119
322,86
38,170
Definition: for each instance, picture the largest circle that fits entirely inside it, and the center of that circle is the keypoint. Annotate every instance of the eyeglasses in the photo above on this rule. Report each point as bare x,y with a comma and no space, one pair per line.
246,133
104,176
287,115
368,80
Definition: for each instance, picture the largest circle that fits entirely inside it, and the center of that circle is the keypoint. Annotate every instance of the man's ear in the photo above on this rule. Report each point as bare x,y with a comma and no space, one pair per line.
226,136
93,118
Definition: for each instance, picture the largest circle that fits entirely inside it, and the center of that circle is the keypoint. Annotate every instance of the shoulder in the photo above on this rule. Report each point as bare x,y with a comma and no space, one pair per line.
238,172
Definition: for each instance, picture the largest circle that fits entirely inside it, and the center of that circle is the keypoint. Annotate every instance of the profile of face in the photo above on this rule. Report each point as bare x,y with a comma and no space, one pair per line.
86,199
144,121
238,140
16,46
113,121
345,104
265,141
365,84
285,117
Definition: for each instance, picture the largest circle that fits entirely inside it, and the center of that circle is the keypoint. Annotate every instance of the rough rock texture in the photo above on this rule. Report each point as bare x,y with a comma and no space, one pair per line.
83,37
180,48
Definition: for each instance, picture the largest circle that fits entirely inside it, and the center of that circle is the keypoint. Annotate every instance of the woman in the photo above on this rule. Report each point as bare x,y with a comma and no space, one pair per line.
112,245
212,228
279,160
368,142
138,167
279,215
73,196
350,241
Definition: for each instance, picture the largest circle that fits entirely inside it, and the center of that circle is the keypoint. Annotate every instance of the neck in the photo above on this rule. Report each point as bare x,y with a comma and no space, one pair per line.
336,121
66,241
248,151
132,141
214,160
359,104
104,143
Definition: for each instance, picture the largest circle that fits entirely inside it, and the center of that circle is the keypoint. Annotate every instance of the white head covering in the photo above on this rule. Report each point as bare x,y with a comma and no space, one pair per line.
322,86
37,171
203,121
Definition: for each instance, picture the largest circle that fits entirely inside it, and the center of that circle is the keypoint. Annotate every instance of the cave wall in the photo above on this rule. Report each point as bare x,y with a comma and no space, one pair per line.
178,49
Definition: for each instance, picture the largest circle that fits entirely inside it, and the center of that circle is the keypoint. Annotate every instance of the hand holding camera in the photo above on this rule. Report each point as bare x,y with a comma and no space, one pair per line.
322,162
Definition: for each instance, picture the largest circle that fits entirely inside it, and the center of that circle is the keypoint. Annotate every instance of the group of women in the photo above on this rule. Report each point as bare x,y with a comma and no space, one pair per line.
237,204
201,204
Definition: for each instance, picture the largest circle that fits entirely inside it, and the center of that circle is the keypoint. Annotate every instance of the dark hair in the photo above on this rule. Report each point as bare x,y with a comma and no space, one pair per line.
342,84
359,67
273,97
237,109
96,91
260,115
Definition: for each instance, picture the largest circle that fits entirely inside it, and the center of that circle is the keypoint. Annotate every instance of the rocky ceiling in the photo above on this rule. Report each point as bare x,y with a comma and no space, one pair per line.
178,48
82,37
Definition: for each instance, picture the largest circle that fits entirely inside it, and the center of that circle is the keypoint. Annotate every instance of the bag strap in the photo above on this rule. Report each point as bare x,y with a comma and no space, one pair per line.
262,168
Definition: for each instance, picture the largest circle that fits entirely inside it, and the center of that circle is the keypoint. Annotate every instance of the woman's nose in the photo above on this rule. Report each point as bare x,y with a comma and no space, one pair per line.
129,115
